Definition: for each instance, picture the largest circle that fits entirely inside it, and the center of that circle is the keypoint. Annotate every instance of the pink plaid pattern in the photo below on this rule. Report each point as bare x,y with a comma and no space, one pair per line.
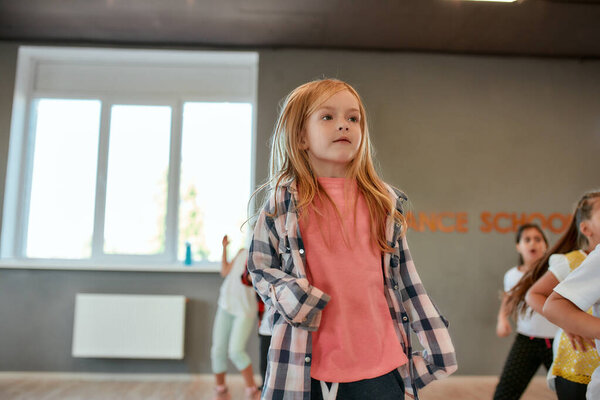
276,262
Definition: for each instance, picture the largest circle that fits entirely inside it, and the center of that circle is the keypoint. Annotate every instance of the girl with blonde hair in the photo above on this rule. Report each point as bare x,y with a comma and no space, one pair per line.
329,257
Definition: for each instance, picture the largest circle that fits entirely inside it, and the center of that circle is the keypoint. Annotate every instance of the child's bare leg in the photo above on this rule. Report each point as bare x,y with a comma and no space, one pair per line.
248,376
220,379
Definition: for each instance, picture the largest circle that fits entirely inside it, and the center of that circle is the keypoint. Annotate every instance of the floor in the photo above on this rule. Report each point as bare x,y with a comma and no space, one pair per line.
34,386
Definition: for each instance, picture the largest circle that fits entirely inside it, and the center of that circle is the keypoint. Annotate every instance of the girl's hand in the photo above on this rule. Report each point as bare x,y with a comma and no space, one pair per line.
503,328
225,241
579,342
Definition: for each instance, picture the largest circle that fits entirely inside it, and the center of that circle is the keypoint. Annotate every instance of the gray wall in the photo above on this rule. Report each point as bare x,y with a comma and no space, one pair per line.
457,133
37,318
8,66
464,133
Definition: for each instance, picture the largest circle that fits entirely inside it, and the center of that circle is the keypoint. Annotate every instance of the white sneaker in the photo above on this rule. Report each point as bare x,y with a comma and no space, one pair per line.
252,394
222,393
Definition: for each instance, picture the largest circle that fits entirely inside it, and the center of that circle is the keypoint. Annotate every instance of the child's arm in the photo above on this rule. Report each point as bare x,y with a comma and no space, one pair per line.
298,302
540,290
503,327
564,313
225,265
537,296
577,293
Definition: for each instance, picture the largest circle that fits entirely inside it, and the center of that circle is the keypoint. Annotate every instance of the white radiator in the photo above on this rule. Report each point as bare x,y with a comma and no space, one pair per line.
129,326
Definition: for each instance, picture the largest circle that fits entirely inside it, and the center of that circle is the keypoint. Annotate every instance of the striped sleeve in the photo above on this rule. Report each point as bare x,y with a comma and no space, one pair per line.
298,302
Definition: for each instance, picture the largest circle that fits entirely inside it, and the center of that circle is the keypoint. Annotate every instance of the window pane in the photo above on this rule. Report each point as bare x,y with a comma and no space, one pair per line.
215,176
136,188
61,213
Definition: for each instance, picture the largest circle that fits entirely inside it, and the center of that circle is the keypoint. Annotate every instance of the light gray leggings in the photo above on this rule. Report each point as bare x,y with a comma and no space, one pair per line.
230,335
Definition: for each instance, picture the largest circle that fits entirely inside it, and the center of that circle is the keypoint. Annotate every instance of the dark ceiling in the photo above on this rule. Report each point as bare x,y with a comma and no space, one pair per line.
528,27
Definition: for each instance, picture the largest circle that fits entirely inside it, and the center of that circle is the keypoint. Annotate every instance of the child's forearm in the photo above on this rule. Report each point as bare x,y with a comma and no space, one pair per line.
502,314
503,327
538,293
225,265
502,317
535,301
568,316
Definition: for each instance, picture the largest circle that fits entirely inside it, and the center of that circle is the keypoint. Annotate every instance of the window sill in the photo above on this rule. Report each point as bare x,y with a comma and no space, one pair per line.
98,266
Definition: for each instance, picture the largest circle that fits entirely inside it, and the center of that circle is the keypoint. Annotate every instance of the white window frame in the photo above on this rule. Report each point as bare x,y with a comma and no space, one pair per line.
115,76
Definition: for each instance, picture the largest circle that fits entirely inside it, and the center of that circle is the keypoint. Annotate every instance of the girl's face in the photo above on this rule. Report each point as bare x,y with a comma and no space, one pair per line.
531,246
591,227
332,135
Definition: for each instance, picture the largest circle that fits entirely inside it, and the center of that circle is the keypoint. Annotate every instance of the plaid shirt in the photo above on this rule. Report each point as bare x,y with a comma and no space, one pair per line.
277,264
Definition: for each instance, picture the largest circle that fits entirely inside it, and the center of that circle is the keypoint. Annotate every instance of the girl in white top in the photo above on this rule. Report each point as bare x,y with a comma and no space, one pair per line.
567,307
580,290
532,346
234,321
573,364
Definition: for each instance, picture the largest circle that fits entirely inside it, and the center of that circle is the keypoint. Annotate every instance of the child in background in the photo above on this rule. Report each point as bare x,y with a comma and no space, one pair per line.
573,365
329,255
567,305
532,346
233,324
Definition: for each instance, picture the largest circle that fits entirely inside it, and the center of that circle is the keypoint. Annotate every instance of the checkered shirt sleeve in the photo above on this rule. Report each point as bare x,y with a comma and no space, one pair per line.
298,302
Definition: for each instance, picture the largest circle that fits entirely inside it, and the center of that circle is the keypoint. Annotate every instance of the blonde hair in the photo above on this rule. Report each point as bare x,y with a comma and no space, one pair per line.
289,162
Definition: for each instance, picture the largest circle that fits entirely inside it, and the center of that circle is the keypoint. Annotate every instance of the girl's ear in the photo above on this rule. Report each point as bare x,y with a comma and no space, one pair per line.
303,141
584,228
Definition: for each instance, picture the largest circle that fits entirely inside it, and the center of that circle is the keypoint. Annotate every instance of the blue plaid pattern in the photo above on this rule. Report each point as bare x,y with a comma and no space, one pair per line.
276,263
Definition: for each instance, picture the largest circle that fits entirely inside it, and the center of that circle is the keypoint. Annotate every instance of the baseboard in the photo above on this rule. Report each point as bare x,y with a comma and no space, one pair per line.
102,376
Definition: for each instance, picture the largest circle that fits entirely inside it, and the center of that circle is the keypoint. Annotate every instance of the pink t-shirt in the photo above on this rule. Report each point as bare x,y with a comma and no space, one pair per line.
356,339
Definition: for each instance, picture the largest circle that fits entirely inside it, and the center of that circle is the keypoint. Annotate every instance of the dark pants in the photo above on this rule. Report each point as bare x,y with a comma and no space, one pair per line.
525,357
569,390
385,387
264,343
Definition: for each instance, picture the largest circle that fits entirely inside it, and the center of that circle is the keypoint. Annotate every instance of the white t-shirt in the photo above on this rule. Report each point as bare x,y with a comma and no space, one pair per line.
235,297
582,288
532,323
558,264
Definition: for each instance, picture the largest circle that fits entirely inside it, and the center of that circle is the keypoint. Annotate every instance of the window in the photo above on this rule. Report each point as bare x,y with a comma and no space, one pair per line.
125,156
136,183
225,156
66,135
